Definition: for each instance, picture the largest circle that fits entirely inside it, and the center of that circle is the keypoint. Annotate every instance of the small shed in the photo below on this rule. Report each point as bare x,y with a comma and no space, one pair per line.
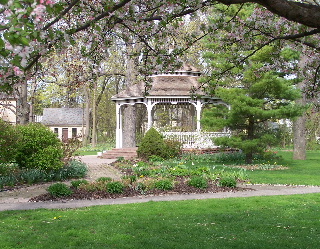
174,91
8,106
65,122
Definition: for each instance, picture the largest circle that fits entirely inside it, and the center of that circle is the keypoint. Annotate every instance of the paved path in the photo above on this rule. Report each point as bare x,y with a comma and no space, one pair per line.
18,199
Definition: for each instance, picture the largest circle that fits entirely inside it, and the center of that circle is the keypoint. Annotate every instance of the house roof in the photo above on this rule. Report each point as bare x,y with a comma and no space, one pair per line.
7,96
62,116
178,83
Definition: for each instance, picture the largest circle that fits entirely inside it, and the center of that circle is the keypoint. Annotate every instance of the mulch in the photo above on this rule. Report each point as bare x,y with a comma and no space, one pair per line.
179,188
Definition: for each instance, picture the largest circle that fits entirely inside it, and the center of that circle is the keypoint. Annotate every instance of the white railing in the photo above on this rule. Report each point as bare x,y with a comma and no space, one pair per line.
196,140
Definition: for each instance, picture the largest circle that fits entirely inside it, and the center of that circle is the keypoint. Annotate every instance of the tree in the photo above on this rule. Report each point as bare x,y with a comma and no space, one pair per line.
244,35
31,30
260,97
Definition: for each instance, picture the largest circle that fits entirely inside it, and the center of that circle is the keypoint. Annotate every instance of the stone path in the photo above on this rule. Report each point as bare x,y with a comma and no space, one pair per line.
99,167
18,199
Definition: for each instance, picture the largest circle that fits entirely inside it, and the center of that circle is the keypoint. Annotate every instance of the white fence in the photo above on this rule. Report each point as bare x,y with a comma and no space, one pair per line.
195,140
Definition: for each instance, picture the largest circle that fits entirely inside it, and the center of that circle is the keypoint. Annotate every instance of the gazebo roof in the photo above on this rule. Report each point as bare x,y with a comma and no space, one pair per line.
178,83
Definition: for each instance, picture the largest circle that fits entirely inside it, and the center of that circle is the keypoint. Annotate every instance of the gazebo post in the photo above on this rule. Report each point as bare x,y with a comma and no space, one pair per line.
149,110
198,109
119,126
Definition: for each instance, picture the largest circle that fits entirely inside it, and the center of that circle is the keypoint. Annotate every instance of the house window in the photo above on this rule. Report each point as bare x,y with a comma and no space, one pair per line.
56,130
74,132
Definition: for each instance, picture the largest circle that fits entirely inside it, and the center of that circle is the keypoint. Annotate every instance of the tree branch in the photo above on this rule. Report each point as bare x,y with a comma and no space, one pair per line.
61,14
304,13
101,16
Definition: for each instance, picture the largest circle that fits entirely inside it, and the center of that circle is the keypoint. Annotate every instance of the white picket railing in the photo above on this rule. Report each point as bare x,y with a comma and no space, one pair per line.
196,140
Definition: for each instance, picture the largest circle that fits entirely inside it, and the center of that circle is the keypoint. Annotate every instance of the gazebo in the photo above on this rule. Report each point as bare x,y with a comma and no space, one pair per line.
178,92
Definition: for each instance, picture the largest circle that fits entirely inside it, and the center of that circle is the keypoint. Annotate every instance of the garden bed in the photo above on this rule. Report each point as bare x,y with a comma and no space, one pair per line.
180,187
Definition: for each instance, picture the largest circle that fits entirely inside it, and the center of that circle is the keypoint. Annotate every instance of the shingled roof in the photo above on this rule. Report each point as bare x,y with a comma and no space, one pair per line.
62,116
6,96
178,83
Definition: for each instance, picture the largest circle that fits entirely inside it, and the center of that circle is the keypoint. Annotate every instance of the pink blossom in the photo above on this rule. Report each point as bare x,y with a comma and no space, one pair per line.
17,71
49,2
8,46
39,12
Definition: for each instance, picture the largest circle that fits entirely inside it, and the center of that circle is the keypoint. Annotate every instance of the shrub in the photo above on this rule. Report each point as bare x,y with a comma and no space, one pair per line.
38,148
77,183
8,180
8,168
70,147
59,189
93,186
141,186
120,159
227,181
9,139
31,176
198,182
104,179
155,158
46,159
115,187
231,157
141,171
74,169
164,184
152,144
131,178
172,148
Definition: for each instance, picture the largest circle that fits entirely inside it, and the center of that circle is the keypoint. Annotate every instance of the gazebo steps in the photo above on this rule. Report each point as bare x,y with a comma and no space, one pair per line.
126,153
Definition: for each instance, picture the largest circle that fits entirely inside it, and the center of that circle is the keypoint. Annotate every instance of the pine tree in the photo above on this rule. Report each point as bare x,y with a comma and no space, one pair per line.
259,97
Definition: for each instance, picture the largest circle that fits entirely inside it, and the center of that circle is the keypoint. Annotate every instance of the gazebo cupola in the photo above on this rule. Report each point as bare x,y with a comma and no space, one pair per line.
179,88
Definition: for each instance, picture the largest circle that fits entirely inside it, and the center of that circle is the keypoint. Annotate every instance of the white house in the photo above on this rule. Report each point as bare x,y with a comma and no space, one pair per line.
8,106
65,122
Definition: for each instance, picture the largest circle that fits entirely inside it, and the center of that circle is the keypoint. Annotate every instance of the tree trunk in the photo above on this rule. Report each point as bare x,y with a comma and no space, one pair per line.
299,139
129,111
299,131
299,125
94,115
86,133
129,126
249,154
23,108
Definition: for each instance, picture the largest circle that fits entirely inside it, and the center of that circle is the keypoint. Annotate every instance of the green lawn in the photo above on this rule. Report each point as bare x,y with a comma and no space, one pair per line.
254,222
300,172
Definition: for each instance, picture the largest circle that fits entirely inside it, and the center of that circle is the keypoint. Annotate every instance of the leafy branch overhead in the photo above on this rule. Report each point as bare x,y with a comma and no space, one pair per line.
32,28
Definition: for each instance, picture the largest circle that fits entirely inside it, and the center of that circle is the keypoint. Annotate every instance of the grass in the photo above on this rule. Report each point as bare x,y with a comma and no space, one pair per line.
85,153
89,150
299,172
215,223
